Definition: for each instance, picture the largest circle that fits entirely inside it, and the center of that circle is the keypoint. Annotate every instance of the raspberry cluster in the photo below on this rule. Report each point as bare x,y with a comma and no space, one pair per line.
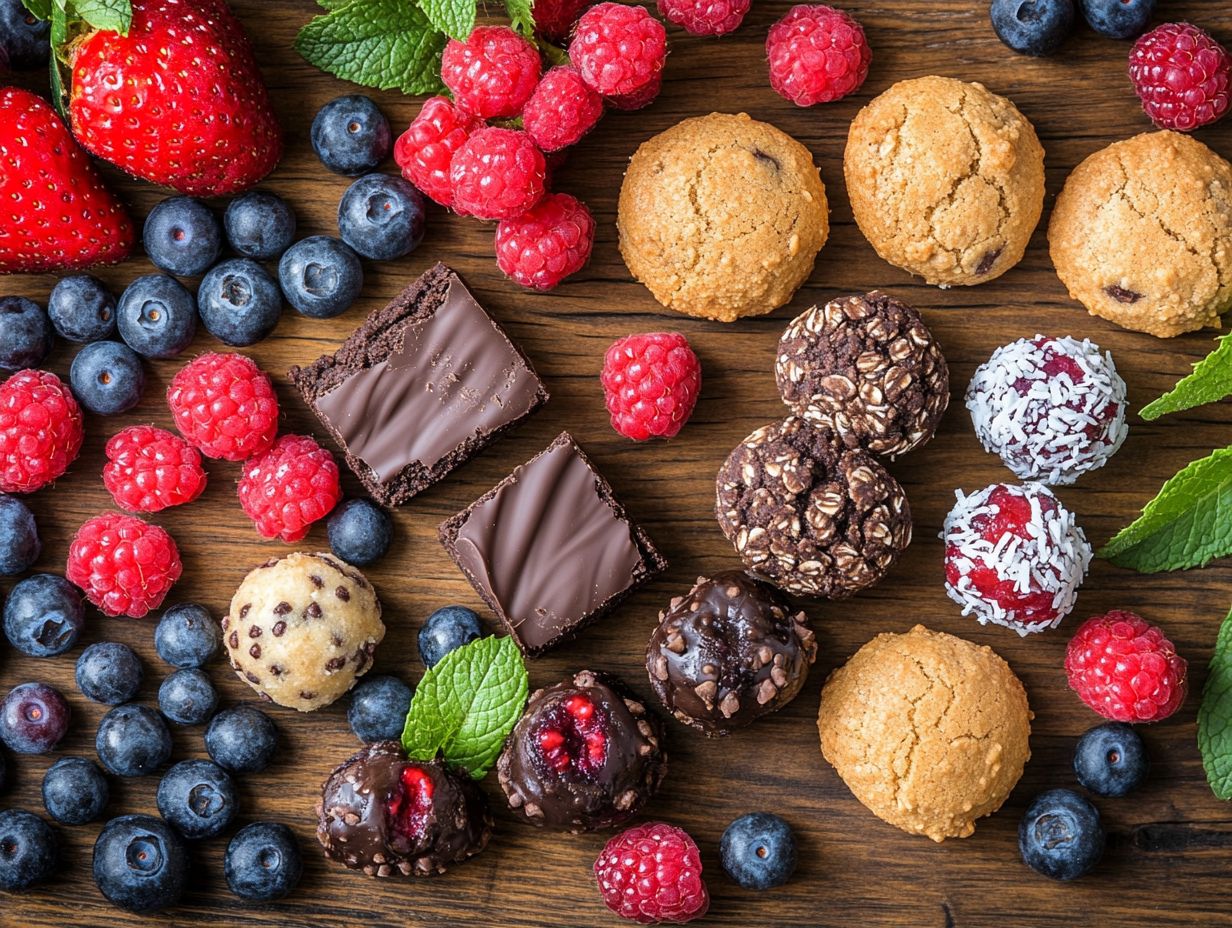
1126,669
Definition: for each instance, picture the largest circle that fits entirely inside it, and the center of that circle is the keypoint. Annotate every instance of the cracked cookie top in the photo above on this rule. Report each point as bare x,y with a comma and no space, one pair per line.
927,730
946,179
721,216
1141,234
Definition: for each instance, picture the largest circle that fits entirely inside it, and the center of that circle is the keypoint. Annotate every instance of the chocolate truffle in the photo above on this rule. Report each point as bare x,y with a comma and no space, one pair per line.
584,755
389,816
729,652
868,369
809,515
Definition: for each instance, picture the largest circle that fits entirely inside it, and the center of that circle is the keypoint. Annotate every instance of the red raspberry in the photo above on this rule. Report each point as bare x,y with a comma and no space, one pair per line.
497,174
1181,75
286,489
554,19
1125,668
149,469
639,98
651,382
545,245
40,431
705,17
653,873
493,73
619,49
562,109
124,565
817,55
225,406
424,150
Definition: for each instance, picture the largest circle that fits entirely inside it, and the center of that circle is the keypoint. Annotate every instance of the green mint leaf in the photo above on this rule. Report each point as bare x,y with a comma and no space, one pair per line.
554,54
108,15
1210,381
455,18
1215,716
1186,525
59,26
387,44
521,16
38,8
467,704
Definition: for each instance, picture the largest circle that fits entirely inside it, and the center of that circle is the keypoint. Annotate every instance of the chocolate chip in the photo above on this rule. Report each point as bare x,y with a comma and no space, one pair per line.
244,610
254,631
307,694
255,651
334,663
251,677
279,628
313,611
987,262
226,622
768,159
343,594
282,608
1121,295
265,697
316,581
234,640
276,669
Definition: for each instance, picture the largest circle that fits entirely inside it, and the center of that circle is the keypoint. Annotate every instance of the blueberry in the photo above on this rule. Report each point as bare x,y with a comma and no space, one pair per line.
19,539
82,309
1111,760
44,615
182,236
107,378
320,276
25,333
197,798
187,697
359,532
109,672
28,850
378,708
157,316
75,791
132,741
448,628
243,739
33,718
263,862
239,302
1032,27
351,135
259,225
23,38
1118,19
140,863
1061,835
758,851
382,217
187,636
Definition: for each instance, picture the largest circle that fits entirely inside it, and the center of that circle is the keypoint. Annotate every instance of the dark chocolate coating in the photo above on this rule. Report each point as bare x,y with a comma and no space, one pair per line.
632,769
354,823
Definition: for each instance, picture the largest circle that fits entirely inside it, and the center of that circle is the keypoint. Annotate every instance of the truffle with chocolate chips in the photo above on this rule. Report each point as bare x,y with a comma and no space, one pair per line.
729,652
809,515
302,629
867,368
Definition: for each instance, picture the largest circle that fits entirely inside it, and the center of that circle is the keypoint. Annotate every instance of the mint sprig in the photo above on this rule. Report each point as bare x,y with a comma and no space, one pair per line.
1215,716
467,704
1210,382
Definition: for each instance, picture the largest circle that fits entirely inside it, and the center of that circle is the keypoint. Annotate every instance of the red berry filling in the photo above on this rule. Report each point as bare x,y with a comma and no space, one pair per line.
410,808
573,737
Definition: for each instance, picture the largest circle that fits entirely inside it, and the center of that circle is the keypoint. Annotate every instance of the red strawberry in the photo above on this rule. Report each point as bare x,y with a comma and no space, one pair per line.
178,101
56,213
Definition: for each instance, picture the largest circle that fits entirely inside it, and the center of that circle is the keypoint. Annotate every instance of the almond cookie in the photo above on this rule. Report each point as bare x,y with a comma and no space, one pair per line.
721,216
946,180
929,731
1141,234
302,629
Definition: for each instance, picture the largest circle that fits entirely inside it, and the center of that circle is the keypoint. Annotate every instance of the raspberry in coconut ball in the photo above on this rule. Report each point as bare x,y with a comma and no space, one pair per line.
1014,556
1052,408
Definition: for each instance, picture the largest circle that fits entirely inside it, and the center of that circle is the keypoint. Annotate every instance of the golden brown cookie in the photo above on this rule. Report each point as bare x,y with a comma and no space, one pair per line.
721,216
946,179
1142,234
929,731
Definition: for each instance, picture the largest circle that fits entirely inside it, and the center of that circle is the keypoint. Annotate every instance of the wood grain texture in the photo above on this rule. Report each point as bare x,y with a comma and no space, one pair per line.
1169,844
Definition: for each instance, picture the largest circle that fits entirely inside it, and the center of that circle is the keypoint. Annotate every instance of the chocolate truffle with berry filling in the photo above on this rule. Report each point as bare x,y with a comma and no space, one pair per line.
389,816
729,652
585,755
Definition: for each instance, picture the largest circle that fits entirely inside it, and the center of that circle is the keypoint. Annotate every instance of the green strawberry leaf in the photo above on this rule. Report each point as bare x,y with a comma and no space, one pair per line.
1210,381
455,18
40,9
467,704
521,16
108,15
1187,524
1215,716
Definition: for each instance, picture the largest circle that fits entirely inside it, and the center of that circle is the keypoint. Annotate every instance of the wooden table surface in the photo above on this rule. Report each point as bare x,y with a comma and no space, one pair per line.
1169,845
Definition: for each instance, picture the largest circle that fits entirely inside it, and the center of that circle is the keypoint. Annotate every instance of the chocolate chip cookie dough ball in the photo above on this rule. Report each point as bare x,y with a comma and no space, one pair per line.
868,369
729,652
1141,234
946,180
721,216
302,629
929,731
808,514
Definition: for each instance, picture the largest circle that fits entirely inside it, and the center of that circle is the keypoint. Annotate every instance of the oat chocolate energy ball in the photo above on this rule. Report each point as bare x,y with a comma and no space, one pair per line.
867,368
808,514
729,651
1052,408
1014,556
302,629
